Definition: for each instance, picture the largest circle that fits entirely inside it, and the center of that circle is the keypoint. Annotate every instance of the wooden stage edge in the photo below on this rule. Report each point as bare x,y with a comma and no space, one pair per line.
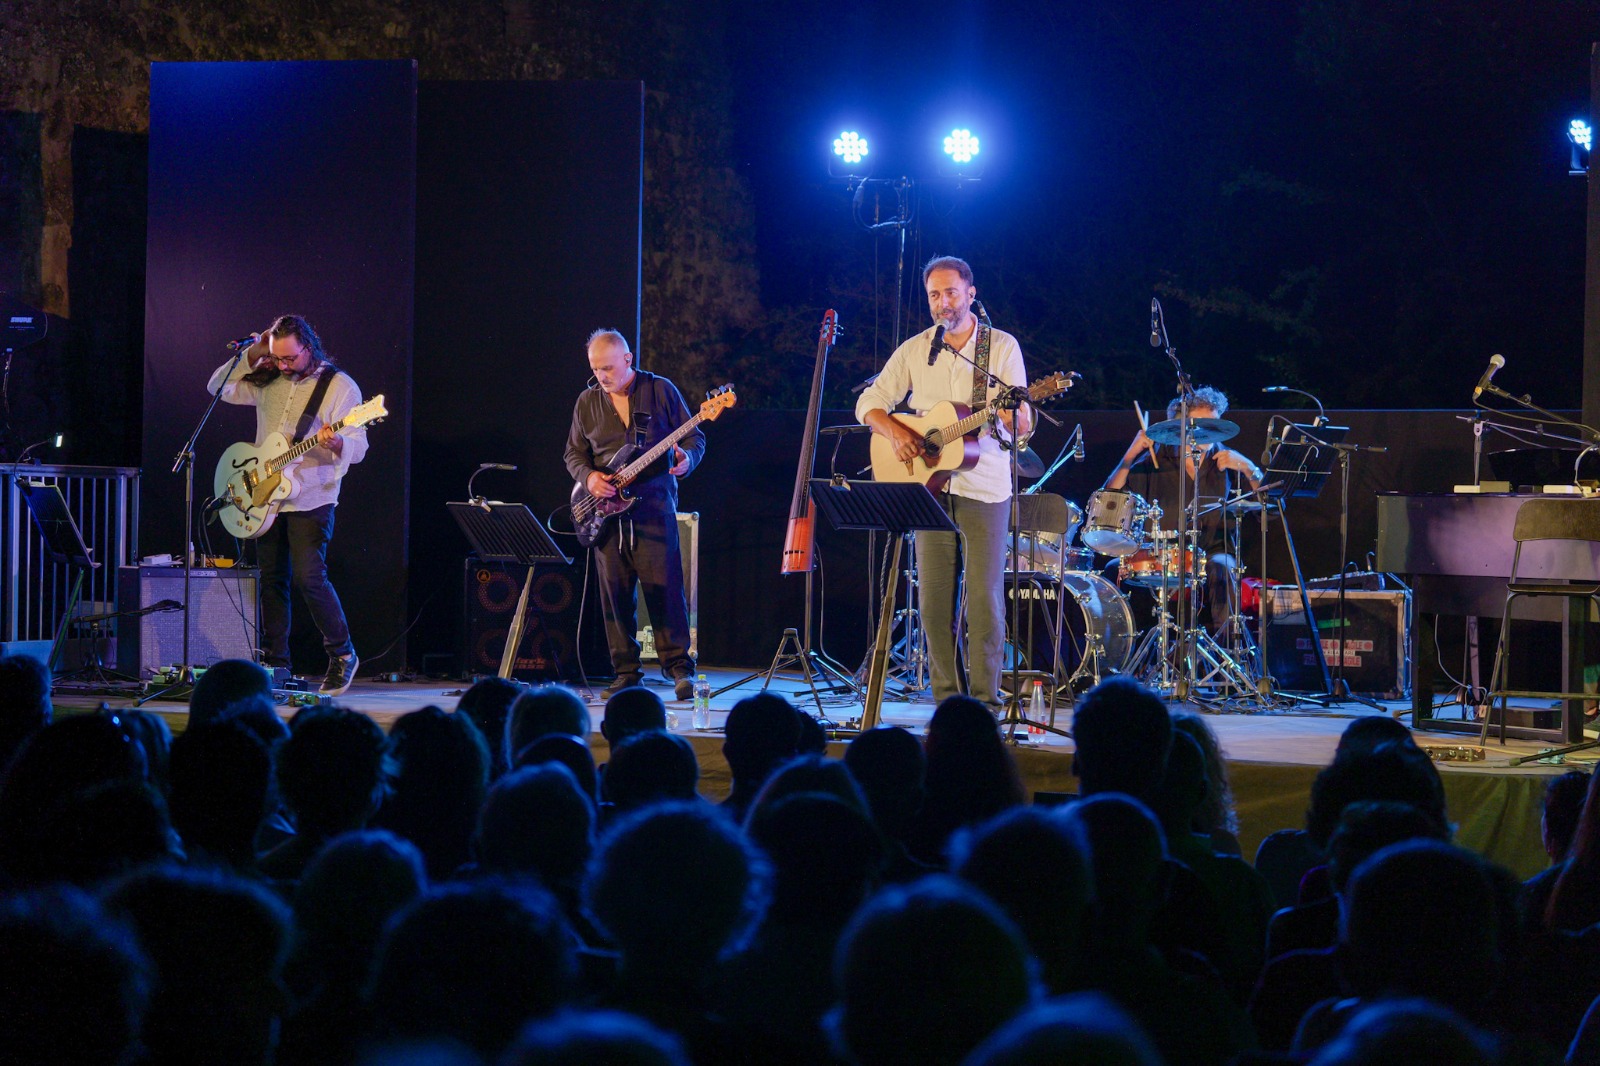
1272,756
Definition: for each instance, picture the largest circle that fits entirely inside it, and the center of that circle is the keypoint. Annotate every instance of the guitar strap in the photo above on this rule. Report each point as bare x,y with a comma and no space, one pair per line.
980,371
314,403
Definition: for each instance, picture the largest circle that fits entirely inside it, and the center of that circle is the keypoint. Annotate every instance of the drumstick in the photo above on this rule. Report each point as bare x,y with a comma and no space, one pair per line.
1144,425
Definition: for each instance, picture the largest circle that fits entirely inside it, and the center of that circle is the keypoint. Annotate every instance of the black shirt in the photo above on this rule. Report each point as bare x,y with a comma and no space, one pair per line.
597,434
1161,486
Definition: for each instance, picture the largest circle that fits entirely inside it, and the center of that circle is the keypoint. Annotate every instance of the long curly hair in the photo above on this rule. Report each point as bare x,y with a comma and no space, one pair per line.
292,326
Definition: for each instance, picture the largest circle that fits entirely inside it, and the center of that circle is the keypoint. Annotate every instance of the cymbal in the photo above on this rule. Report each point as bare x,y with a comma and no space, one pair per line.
1029,464
1201,431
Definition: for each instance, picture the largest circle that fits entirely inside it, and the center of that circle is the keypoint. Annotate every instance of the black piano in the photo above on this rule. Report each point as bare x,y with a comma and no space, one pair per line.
1455,551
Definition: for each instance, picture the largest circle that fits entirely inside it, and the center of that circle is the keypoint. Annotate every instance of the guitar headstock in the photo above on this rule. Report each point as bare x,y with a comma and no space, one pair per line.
371,411
830,329
718,400
1050,385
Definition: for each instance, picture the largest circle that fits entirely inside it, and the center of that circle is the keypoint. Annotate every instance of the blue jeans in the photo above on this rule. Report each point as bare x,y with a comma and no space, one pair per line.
295,550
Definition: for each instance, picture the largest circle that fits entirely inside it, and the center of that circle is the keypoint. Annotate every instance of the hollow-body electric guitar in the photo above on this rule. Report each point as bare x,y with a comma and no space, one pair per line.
590,513
949,437
253,481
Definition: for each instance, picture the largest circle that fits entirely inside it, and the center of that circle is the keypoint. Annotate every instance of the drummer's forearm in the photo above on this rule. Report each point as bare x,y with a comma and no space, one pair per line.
1119,476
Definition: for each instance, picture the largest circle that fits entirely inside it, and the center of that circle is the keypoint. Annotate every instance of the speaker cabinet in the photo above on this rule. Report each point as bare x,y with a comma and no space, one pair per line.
550,636
224,617
689,548
1376,643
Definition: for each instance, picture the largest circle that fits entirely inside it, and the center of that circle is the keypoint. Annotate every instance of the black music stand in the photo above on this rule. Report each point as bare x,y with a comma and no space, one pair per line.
1299,466
891,507
509,533
64,543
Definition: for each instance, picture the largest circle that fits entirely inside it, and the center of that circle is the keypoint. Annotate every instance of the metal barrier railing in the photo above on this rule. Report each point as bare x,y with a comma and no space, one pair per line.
104,500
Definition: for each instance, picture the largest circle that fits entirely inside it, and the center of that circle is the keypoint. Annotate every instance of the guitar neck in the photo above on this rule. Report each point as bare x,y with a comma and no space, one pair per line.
633,469
300,449
968,424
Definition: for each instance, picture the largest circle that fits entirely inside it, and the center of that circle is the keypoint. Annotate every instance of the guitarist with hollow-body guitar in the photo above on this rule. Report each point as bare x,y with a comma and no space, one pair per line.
638,549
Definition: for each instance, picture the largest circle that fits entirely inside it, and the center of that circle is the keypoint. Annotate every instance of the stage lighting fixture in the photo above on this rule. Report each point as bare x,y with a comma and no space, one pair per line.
1581,136
961,146
850,146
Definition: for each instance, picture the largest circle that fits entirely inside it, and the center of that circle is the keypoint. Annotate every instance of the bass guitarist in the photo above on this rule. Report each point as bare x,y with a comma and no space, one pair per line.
639,551
298,392
976,498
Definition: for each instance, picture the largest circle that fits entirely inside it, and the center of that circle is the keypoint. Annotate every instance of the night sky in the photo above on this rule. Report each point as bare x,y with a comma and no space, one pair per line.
1348,197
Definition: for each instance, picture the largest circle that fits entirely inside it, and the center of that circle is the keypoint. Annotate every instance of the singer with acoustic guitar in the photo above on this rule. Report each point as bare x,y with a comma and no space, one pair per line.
977,495
298,392
624,413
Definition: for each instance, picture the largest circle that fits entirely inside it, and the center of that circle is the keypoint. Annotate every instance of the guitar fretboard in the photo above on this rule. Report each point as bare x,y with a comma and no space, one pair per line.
299,449
626,475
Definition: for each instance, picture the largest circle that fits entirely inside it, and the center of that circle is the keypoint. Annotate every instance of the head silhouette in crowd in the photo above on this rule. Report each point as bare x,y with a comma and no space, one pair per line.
761,733
810,773
217,943
220,777
1403,1031
1123,733
537,822
1563,805
1127,859
971,775
330,773
1390,771
588,1037
473,963
440,769
225,683
1035,865
569,751
635,709
150,732
76,982
925,973
1082,1029
825,856
889,765
24,702
1216,817
544,710
259,715
653,767
1367,732
488,703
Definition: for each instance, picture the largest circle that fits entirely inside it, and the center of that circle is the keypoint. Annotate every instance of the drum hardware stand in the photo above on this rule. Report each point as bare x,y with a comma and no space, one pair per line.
894,507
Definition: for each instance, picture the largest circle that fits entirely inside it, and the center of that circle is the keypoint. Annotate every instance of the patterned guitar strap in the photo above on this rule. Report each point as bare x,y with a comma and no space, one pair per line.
980,372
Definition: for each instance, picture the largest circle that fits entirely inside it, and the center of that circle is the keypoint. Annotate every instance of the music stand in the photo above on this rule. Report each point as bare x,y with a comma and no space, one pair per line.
895,508
64,543
1299,466
508,533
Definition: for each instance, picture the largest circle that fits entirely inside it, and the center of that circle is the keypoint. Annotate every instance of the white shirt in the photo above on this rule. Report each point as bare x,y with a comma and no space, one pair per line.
278,406
951,379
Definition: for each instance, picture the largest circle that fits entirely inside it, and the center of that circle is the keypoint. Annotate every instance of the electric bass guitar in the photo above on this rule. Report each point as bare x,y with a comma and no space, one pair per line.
949,434
251,482
590,513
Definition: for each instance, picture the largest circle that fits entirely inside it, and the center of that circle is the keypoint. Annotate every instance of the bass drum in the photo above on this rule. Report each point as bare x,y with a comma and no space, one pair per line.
1097,635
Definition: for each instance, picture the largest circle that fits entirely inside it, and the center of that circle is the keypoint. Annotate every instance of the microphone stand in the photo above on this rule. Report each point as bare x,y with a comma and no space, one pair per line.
185,462
1187,658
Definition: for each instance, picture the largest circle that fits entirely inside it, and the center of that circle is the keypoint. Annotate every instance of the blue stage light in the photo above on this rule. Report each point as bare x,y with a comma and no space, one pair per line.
850,146
1579,133
961,145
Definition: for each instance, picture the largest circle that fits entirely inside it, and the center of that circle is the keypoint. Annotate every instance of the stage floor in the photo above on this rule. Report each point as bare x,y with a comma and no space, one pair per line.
1272,756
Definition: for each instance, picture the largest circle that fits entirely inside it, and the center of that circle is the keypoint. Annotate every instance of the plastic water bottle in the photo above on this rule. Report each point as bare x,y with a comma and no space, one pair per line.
672,720
702,703
1036,706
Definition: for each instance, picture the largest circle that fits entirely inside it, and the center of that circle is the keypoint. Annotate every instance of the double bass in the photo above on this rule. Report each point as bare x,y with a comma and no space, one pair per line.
799,541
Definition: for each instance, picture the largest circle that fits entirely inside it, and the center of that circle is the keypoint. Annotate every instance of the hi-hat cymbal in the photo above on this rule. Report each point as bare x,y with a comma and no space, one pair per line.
1029,464
1201,431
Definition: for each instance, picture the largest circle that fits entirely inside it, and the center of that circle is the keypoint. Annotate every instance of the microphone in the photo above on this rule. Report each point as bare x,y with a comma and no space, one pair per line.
983,316
1155,322
243,342
1495,363
1077,449
938,343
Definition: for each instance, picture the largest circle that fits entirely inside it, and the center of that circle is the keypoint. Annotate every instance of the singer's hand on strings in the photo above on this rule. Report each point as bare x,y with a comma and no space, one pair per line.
598,485
329,438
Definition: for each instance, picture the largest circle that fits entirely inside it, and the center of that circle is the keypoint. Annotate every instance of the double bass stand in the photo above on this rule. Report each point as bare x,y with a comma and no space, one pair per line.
796,658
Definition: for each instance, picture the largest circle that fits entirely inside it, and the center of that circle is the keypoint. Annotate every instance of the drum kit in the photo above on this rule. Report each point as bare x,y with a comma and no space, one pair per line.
1089,631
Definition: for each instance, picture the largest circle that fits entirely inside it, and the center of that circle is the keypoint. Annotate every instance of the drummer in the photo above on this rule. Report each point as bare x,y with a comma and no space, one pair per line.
1211,472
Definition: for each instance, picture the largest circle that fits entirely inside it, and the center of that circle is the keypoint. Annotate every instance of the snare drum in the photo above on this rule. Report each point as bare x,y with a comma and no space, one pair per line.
1115,522
1164,564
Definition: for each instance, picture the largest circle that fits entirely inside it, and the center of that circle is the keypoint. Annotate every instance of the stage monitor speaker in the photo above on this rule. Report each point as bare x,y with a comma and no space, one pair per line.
689,548
1376,644
224,617
550,635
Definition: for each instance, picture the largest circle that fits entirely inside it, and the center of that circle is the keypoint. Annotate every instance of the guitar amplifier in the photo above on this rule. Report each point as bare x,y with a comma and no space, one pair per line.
551,640
1376,644
224,617
689,548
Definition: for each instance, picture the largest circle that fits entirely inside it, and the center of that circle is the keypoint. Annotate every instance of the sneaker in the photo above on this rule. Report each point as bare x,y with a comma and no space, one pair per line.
625,681
683,687
341,672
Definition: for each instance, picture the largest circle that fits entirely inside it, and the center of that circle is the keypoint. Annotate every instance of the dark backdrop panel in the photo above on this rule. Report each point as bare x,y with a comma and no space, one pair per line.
742,493
285,187
528,230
